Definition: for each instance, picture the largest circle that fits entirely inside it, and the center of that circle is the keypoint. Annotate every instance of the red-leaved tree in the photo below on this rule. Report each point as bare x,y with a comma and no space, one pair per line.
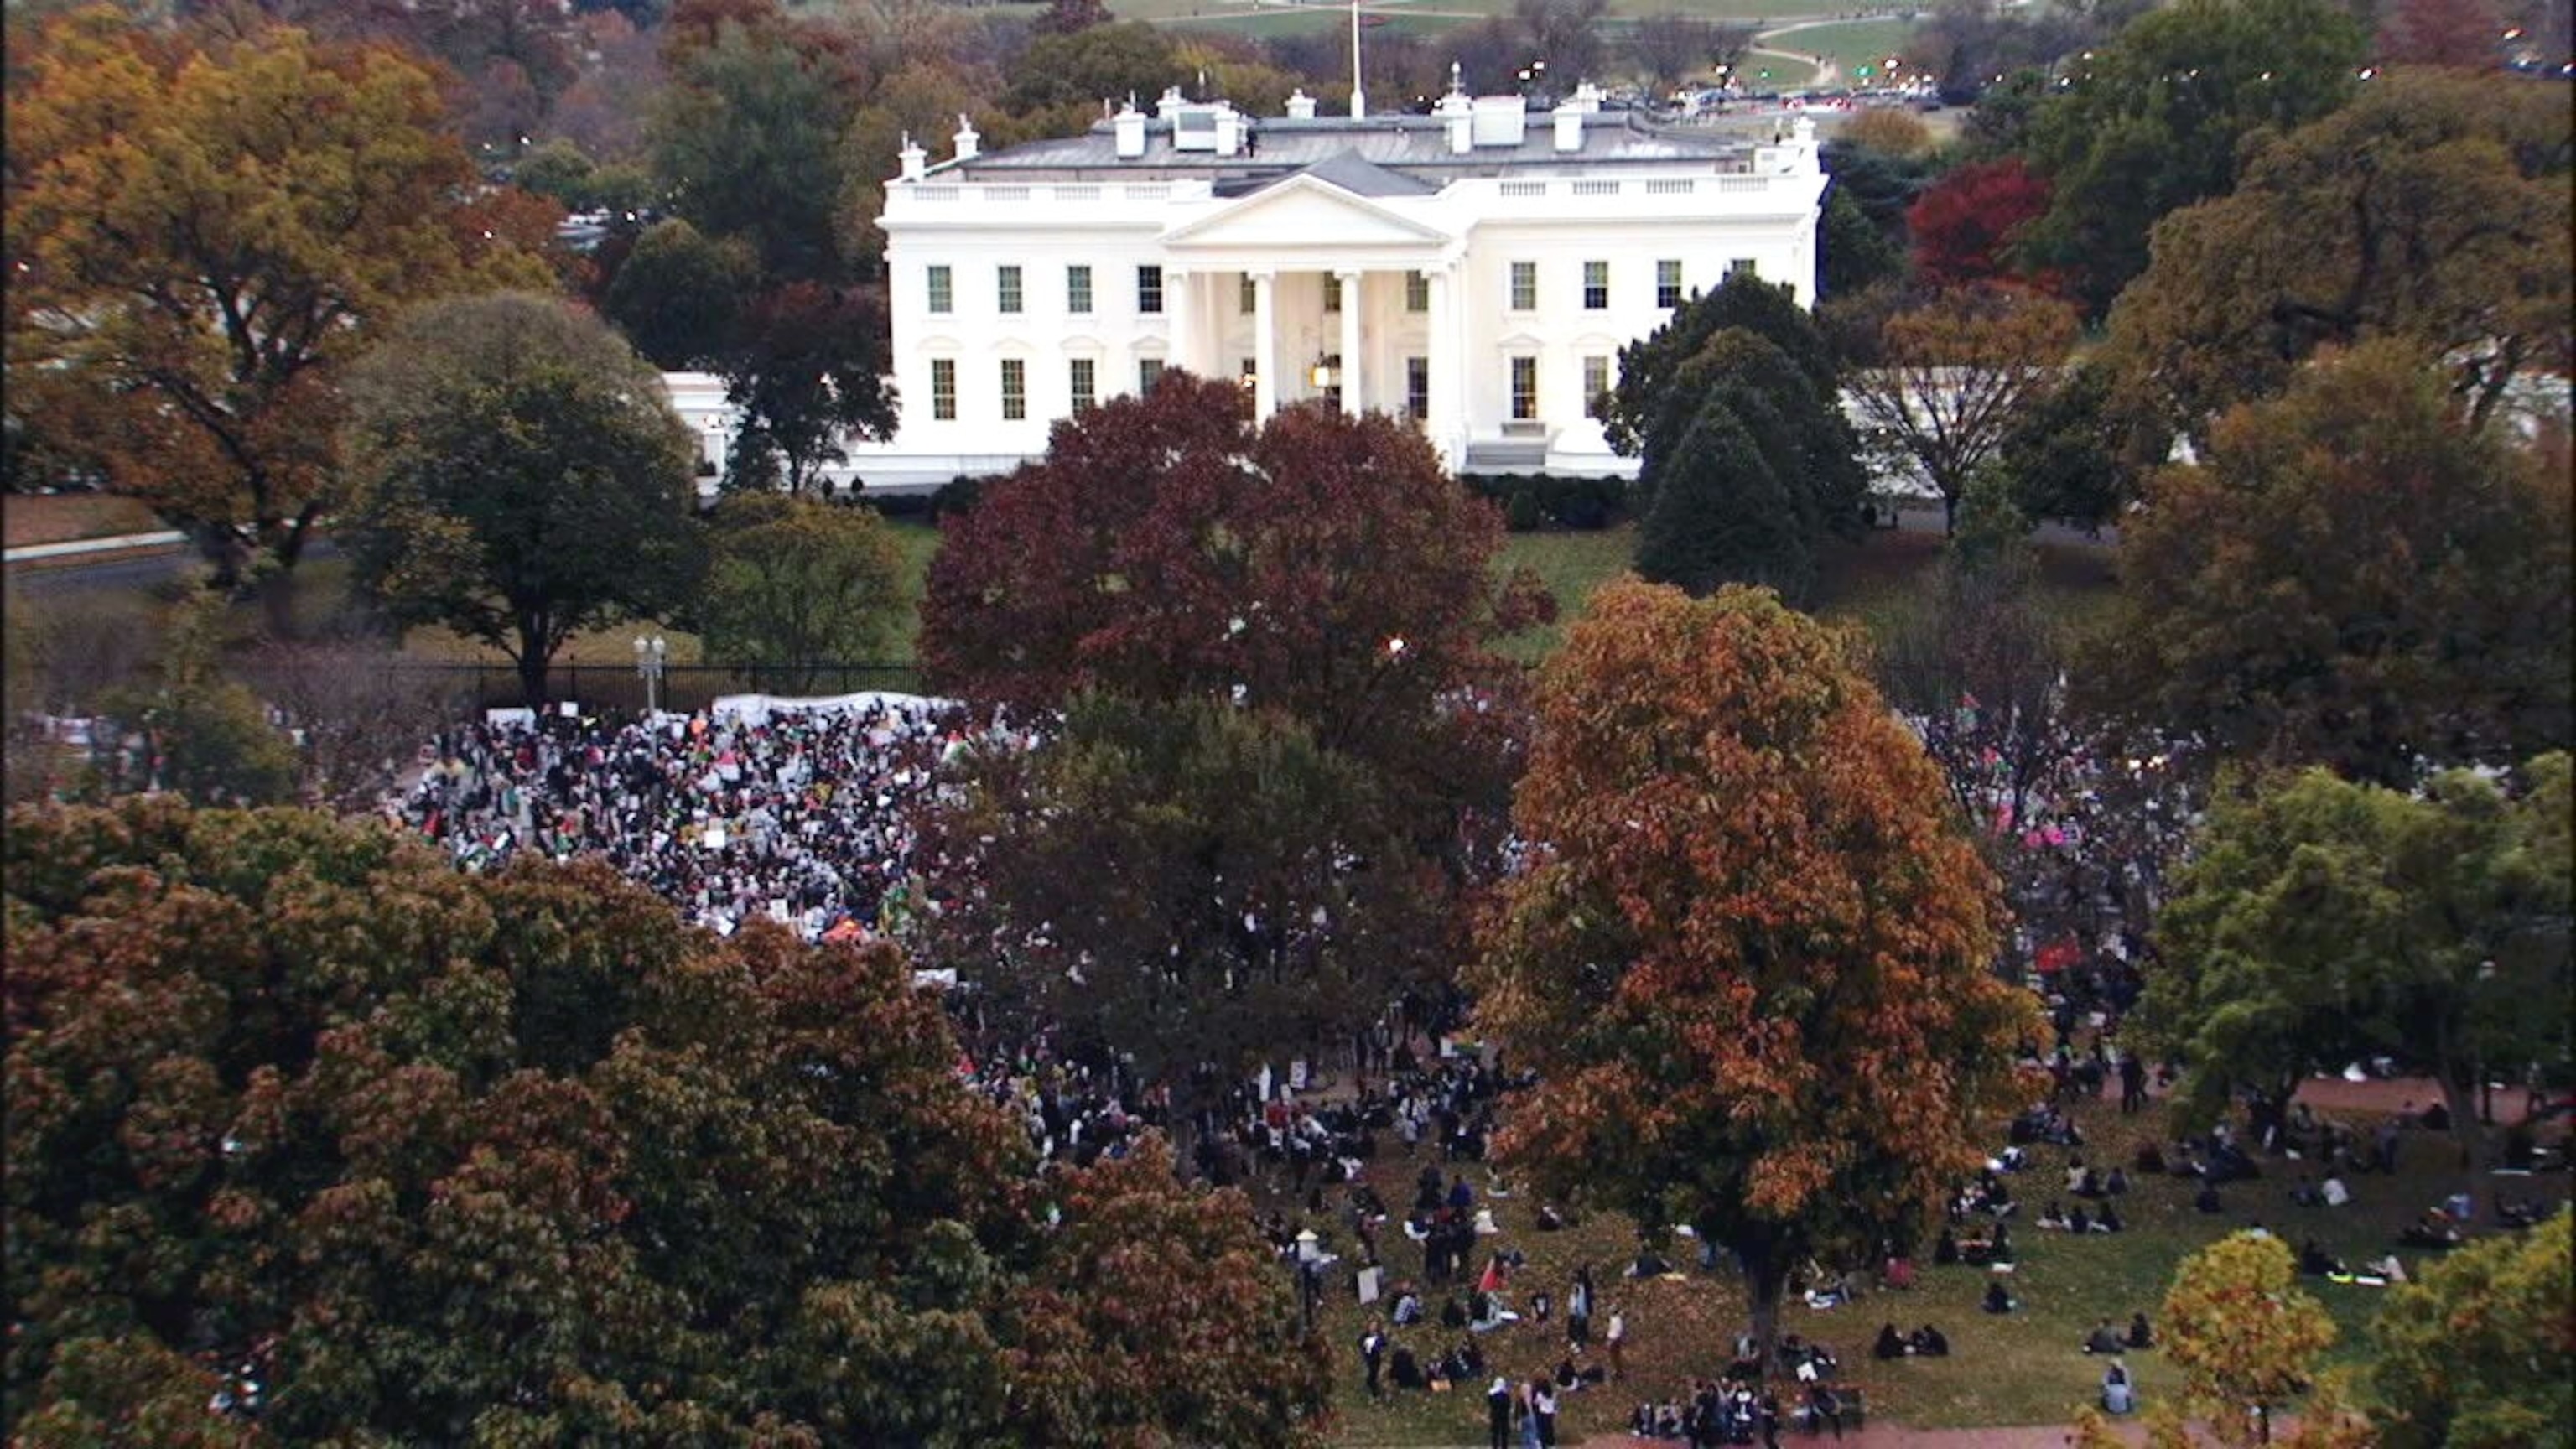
1964,225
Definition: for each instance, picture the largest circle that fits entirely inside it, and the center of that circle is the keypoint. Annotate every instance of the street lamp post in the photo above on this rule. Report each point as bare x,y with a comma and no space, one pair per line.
649,657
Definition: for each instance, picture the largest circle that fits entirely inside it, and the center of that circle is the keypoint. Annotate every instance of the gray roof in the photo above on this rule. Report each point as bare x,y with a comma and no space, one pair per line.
1400,151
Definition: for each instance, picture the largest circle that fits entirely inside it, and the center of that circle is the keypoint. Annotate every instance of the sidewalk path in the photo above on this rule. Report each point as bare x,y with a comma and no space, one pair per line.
73,548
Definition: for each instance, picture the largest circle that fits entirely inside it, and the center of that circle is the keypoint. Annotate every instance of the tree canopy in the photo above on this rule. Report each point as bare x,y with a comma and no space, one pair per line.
794,583
2150,122
2352,576
2324,921
1749,959
2477,1354
2245,1337
306,1124
1953,375
518,476
1323,565
204,229
2433,208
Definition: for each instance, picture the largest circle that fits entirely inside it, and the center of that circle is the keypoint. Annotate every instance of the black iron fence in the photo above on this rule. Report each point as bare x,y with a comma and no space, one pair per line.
683,687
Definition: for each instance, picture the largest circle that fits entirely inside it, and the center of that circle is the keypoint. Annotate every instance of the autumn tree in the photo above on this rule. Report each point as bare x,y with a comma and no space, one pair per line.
2477,1353
1889,132
582,1175
806,370
795,583
2150,123
1323,565
2244,1336
2433,208
2454,34
1964,225
519,477
2351,576
202,236
2323,921
1748,960
1954,374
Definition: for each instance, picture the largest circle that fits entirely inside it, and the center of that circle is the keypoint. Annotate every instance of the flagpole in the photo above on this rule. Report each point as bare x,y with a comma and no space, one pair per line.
1359,101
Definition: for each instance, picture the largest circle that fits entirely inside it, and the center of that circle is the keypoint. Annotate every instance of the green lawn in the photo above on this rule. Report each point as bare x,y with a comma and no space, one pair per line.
2025,1368
1849,45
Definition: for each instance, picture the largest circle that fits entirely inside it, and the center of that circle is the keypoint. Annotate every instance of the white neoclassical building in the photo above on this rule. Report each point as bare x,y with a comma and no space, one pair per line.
1476,269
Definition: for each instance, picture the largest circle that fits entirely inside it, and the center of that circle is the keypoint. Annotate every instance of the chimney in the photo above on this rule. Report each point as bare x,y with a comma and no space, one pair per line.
1129,126
1229,129
1301,106
1170,104
916,162
1587,98
1457,113
1569,128
969,145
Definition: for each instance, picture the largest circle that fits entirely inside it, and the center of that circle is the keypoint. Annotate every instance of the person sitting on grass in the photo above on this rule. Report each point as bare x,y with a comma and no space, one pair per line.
2119,1396
2001,1249
2208,1200
2103,1339
1997,1300
1408,1370
2140,1336
2077,1222
2110,1221
2316,1262
1928,1342
2116,1184
1890,1343
2052,1218
1946,1250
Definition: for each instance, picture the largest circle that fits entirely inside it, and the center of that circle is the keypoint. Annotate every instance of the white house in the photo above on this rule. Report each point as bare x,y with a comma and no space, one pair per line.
1476,269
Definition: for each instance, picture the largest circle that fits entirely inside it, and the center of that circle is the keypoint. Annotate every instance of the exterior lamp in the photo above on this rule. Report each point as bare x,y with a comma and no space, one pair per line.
1321,374
649,657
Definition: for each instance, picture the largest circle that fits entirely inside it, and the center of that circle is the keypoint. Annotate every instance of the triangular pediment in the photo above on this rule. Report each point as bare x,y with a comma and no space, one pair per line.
1304,211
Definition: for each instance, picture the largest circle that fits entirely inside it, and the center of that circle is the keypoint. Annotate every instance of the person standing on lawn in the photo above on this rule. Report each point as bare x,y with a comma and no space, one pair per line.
1498,1414
1617,1338
1373,1355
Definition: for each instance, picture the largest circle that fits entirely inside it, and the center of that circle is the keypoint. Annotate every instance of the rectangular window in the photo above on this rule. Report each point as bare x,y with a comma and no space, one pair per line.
1149,374
1332,293
943,388
1015,390
1744,266
1251,372
1149,290
1417,388
1417,292
1006,289
1247,295
1077,290
1524,389
1596,286
1668,283
1596,383
941,298
1085,376
1524,286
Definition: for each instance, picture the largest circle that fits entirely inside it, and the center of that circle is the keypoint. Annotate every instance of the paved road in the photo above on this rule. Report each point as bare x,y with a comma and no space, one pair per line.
127,572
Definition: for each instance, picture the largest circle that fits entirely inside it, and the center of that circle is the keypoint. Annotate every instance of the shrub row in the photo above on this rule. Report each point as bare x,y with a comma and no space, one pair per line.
1534,501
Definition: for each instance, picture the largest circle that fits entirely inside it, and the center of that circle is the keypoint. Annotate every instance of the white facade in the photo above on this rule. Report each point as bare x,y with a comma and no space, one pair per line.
1488,265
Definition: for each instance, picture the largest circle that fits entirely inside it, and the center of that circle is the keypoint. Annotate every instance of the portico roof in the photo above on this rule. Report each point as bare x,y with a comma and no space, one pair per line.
1320,207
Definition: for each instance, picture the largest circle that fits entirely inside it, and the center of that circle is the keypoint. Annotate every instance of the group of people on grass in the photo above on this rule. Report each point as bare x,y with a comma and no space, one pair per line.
800,817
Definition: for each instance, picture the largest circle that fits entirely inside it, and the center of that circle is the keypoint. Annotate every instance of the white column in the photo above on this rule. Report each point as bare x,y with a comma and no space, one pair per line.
1449,365
1351,371
1265,349
1180,315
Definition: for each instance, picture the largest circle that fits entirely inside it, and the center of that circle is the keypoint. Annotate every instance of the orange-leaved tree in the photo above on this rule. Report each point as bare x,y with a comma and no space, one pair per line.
1749,961
202,229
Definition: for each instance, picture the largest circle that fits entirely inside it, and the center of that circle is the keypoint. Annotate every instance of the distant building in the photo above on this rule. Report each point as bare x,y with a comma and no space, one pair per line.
1476,269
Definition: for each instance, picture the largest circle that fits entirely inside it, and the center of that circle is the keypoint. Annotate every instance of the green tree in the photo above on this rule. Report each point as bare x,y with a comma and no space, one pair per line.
680,294
581,1174
2072,452
518,477
203,229
795,583
205,735
2324,921
747,140
2246,1339
1857,254
557,169
2151,122
1721,514
2351,576
1652,392
806,370
1748,960
1085,66
2433,208
2478,1353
